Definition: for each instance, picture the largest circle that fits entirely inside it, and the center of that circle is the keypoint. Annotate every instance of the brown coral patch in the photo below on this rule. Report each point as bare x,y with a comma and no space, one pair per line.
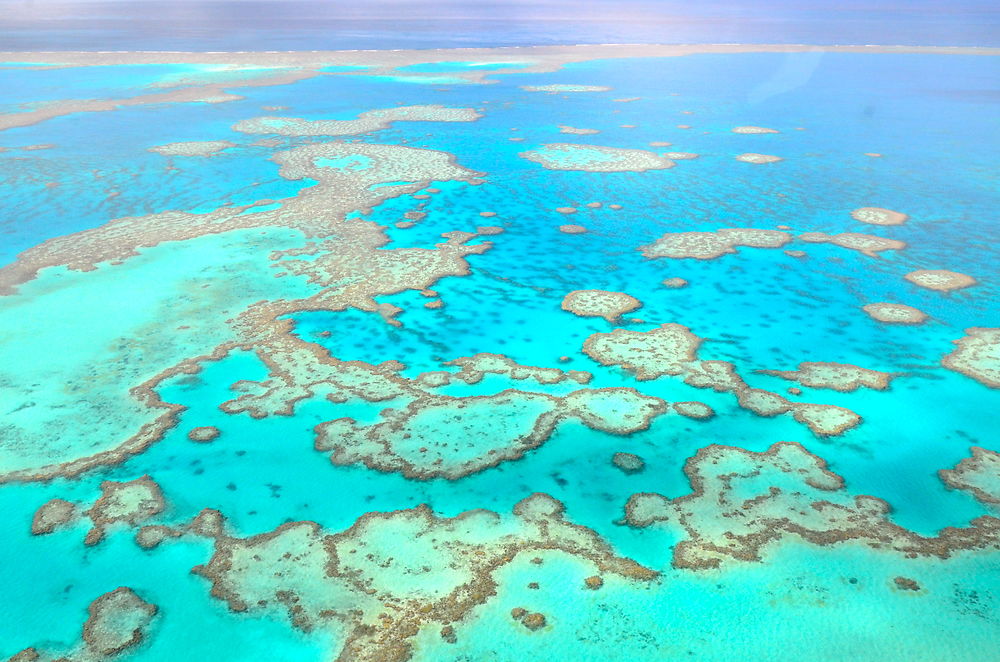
357,582
129,502
879,216
736,510
204,434
977,355
628,462
941,280
979,475
867,244
52,515
758,159
117,621
600,303
842,377
710,245
894,313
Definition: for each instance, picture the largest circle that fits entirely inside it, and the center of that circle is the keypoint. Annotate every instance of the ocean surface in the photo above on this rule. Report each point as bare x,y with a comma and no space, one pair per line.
271,334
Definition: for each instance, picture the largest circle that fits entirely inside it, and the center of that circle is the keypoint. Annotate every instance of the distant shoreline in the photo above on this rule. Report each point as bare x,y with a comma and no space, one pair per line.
543,57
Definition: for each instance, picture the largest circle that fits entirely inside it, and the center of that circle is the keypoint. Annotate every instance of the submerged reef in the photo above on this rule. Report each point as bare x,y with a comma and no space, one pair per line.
979,475
565,87
837,376
52,515
127,502
630,463
710,245
118,621
743,502
941,280
294,289
453,437
672,350
576,131
390,575
758,159
977,355
595,158
194,148
754,129
895,313
600,303
372,120
243,302
879,216
866,244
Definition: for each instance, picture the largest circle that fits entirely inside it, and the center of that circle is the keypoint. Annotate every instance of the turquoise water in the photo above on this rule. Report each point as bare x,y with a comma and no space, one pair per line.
102,332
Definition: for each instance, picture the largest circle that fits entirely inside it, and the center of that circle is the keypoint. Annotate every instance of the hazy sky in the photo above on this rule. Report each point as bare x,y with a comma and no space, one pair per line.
314,24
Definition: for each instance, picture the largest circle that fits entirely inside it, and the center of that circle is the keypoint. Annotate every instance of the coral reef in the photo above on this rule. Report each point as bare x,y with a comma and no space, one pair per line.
128,502
366,122
710,245
977,355
754,130
52,515
758,159
879,216
393,574
672,350
628,462
837,376
742,502
600,303
894,313
204,434
194,148
979,475
941,280
595,158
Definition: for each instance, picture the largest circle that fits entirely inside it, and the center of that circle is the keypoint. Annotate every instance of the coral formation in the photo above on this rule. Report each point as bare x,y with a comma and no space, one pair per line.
941,280
600,303
979,475
867,244
879,216
710,245
742,502
564,87
758,159
194,148
52,515
595,158
576,131
977,355
754,129
118,620
837,376
894,313
393,574
204,434
628,462
672,350
442,436
366,122
129,502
